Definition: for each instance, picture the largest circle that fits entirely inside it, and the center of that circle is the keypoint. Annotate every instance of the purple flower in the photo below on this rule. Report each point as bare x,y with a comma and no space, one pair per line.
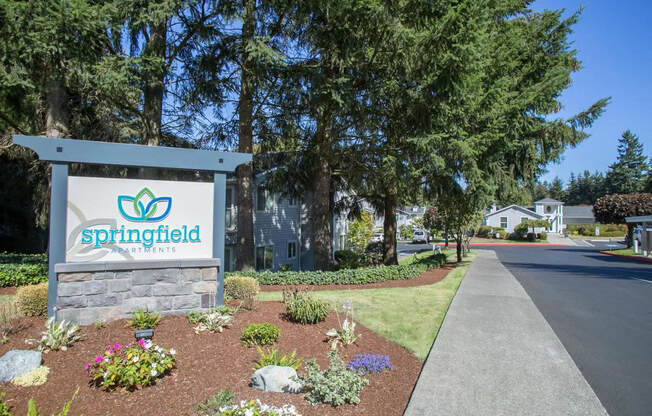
141,342
116,346
370,363
87,366
98,359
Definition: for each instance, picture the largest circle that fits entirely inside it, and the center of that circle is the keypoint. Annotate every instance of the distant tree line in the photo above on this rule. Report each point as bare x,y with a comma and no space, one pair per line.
630,173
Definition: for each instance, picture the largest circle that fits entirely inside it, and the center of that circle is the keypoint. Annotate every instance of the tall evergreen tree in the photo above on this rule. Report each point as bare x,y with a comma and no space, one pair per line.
628,174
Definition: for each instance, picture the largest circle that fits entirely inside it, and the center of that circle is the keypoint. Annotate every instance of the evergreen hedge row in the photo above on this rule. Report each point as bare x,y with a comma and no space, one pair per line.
22,269
347,276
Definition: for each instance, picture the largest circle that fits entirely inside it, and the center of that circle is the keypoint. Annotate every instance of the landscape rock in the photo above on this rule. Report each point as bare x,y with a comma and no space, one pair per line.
18,362
276,379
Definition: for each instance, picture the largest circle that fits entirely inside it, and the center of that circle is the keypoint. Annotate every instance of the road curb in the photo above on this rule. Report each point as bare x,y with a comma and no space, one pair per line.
508,245
643,259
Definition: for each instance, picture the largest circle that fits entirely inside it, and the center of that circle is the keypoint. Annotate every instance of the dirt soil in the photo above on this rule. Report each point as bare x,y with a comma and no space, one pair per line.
426,278
206,364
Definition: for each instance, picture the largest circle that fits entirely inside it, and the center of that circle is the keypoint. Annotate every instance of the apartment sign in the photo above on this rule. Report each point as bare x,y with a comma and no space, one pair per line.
111,219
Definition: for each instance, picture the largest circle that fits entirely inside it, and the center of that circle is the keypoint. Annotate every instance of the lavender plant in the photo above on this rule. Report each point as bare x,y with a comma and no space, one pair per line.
370,363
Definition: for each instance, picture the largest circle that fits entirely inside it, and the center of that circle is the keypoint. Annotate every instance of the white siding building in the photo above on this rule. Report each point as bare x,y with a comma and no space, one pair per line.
509,217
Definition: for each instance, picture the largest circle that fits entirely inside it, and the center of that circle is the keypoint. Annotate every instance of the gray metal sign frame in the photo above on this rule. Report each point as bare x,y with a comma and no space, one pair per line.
61,152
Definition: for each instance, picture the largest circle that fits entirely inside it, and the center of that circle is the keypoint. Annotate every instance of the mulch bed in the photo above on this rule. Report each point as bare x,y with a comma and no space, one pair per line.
206,364
426,278
10,290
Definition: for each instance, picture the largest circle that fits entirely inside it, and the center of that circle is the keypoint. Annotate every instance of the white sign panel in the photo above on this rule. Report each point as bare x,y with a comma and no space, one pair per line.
133,219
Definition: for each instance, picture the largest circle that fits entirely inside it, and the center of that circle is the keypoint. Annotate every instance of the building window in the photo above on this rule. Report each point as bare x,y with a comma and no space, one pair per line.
292,249
548,209
228,221
503,222
264,257
293,201
264,199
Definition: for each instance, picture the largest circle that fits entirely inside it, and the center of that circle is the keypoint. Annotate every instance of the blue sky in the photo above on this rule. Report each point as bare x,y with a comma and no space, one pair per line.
614,43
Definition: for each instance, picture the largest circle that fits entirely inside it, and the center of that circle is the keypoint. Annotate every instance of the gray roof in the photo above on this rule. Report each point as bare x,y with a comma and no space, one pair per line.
548,201
517,208
578,211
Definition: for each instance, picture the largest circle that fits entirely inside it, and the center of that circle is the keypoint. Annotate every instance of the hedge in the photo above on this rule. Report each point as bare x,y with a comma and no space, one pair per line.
346,276
22,269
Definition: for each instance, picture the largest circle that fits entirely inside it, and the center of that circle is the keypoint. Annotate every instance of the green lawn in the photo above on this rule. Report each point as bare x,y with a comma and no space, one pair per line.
409,316
625,252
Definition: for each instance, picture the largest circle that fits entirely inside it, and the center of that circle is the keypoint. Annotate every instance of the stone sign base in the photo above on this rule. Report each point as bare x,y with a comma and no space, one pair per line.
90,292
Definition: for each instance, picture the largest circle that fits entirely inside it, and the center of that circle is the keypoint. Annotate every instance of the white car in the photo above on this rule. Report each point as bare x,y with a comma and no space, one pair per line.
420,236
377,238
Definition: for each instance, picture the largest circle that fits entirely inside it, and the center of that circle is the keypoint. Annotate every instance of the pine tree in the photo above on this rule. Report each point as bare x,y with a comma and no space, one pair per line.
556,189
628,174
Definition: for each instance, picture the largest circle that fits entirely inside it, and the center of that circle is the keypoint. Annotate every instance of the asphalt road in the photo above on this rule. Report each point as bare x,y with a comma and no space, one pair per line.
600,307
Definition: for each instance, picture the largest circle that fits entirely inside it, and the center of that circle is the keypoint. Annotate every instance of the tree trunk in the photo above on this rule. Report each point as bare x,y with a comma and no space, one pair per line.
458,244
389,228
445,238
320,215
56,123
154,88
245,248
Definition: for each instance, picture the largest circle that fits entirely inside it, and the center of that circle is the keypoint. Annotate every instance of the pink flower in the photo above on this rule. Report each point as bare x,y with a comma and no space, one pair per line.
87,366
110,351
116,346
98,359
141,342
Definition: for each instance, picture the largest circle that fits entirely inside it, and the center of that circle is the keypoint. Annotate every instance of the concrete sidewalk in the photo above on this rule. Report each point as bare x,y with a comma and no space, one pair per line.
496,355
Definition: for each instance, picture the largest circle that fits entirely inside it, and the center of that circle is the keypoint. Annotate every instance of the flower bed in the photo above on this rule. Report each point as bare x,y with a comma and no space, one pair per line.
206,363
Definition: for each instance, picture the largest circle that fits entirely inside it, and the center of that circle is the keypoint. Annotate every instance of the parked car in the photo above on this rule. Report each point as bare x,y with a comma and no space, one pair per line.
377,238
420,236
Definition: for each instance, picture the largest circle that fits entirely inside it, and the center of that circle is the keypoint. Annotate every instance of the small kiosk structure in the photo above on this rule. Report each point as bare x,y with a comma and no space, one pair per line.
646,233
120,244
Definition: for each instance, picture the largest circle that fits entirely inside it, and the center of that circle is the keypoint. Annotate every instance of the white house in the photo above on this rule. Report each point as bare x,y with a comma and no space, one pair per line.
509,217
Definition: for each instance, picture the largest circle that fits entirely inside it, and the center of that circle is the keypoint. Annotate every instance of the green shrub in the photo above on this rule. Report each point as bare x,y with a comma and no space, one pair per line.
216,402
347,259
543,236
344,276
241,287
484,231
57,336
4,408
32,300
440,259
260,334
143,319
23,269
335,386
302,308
274,357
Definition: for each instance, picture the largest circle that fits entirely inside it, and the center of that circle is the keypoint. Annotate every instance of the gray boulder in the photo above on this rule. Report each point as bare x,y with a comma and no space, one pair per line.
18,362
276,379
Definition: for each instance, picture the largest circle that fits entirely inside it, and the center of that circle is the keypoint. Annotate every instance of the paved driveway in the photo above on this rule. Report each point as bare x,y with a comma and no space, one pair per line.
600,307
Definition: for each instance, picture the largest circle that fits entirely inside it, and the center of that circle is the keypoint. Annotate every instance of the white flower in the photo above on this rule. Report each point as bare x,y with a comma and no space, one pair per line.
249,412
173,351
153,365
136,358
106,374
106,360
153,373
148,344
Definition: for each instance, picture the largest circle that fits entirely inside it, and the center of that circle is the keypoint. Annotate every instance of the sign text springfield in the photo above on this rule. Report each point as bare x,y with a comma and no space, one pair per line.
132,219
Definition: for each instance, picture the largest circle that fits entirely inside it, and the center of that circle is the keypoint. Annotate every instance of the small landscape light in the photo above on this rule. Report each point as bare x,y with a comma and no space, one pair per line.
144,333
